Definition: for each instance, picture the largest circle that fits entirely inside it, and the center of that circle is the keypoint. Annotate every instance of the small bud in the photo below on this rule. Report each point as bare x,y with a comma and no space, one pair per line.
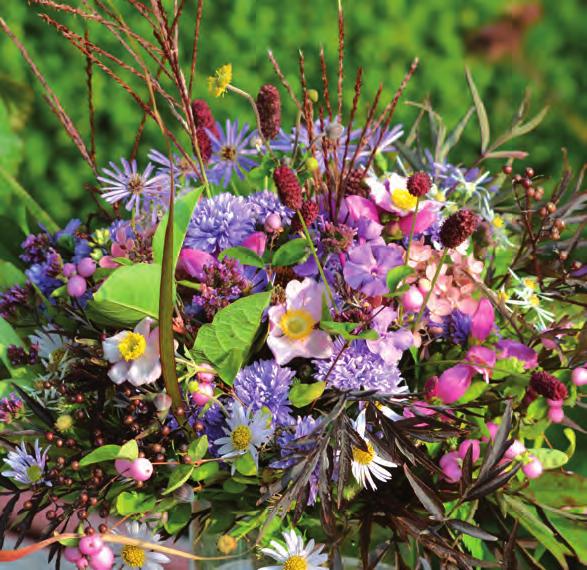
529,172
272,223
226,544
68,269
579,376
533,469
162,402
551,207
419,184
334,130
507,169
86,267
312,164
76,286
313,95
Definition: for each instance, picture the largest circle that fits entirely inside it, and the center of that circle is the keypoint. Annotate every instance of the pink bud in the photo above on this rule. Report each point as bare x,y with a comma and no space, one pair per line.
193,261
86,267
272,223
103,560
451,467
492,428
464,448
72,554
203,394
107,262
579,376
515,449
412,299
556,415
90,545
454,382
69,270
483,320
162,402
122,467
533,469
82,563
256,242
76,286
141,469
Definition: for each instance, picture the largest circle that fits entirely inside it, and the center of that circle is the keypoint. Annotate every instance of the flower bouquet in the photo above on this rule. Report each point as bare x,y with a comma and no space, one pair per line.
322,344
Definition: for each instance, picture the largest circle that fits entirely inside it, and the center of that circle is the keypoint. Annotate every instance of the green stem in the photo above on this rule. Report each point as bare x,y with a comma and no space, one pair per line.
412,231
315,254
430,291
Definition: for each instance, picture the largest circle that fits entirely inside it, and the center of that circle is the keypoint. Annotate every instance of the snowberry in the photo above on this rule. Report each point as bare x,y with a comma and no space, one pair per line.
86,267
556,415
69,269
90,545
533,469
103,560
72,554
140,469
412,299
579,376
76,286
203,393
122,467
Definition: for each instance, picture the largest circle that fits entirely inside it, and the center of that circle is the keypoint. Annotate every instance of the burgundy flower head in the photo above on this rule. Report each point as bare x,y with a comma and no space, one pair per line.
203,116
204,144
549,386
355,185
419,184
309,211
269,107
458,227
288,187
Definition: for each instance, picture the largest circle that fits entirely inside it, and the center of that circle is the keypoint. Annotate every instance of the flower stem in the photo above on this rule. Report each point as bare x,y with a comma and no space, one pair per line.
412,229
315,254
430,291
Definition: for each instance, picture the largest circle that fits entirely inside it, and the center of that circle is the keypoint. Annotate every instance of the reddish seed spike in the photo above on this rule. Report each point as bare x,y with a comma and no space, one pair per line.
326,94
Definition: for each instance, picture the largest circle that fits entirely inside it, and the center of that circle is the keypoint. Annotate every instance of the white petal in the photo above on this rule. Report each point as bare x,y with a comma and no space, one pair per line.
119,372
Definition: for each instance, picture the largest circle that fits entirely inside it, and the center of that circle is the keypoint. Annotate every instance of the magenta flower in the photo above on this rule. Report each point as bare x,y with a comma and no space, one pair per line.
483,360
451,462
367,267
424,219
358,208
293,326
454,382
193,261
511,348
483,320
256,242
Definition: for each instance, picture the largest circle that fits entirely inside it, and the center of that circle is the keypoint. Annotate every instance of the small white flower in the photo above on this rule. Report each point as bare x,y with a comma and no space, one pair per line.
294,556
368,465
48,341
135,355
245,433
135,557
529,299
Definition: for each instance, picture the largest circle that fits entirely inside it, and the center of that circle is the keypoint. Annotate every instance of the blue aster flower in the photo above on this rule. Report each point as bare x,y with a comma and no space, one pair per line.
265,203
230,153
219,223
357,368
386,144
457,327
266,384
27,468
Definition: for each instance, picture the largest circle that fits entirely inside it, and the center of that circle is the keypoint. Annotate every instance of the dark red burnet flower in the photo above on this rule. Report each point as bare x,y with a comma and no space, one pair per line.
419,184
309,211
547,385
203,116
269,107
204,144
288,187
355,185
458,227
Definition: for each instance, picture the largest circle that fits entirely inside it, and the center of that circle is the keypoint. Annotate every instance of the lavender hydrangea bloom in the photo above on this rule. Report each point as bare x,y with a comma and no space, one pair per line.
26,468
231,152
266,384
357,368
457,327
265,203
367,267
219,223
288,446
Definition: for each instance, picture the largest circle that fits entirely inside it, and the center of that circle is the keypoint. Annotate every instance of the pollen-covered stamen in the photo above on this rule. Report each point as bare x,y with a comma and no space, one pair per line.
295,562
135,184
133,556
403,199
364,457
297,324
132,346
241,437
228,153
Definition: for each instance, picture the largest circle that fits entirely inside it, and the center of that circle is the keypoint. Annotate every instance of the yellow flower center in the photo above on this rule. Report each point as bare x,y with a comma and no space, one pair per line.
295,562
297,324
228,153
133,556
132,346
64,422
241,437
364,457
403,199
221,80
534,301
529,283
498,222
502,296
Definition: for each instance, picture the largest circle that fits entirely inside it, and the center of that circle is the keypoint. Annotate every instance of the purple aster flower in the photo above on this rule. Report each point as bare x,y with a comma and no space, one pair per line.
230,153
26,468
44,275
10,408
219,223
266,384
357,368
289,448
214,420
181,166
265,203
14,298
367,267
457,327
385,145
131,185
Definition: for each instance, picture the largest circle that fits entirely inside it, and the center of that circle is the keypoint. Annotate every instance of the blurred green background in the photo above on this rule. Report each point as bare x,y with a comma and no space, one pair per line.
508,46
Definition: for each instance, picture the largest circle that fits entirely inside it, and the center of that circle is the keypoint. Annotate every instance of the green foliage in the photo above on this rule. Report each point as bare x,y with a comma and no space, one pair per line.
301,395
131,503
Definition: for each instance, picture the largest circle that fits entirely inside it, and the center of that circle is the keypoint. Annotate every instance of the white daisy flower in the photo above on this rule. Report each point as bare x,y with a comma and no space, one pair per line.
294,556
135,354
244,433
368,465
135,557
48,341
529,299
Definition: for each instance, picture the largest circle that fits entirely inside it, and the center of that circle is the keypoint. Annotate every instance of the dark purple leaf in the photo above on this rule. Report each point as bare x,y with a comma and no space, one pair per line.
471,530
427,497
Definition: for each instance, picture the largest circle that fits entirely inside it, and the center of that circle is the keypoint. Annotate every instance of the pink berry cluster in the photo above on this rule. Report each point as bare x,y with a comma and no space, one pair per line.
77,275
202,389
91,553
140,469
